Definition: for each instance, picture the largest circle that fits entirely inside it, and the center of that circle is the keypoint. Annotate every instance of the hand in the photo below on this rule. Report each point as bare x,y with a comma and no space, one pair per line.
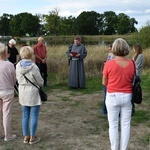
44,61
78,55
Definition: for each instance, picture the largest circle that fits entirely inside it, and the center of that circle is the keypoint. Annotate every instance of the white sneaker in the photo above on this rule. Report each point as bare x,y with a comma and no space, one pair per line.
13,136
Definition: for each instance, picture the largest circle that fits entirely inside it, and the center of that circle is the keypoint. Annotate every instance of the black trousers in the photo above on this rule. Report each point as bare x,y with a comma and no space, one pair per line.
43,71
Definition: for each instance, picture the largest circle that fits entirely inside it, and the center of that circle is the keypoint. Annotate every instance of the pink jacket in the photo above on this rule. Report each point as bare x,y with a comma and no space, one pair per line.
7,76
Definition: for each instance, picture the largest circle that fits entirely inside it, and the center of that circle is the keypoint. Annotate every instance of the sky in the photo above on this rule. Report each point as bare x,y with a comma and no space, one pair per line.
138,9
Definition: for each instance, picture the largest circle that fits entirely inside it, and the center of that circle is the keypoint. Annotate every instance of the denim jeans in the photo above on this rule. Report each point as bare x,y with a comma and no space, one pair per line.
104,109
119,103
30,119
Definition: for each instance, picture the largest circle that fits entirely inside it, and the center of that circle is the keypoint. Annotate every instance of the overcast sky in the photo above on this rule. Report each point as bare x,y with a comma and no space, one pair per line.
138,9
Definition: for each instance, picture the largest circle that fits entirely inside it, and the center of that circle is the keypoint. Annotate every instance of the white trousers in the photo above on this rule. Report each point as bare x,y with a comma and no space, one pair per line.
119,106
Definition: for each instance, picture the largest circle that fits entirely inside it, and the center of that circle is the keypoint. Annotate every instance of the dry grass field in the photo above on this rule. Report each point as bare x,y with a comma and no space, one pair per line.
58,61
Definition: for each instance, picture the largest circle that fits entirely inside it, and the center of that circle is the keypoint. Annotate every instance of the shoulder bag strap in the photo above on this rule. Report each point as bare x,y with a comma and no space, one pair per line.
134,67
30,81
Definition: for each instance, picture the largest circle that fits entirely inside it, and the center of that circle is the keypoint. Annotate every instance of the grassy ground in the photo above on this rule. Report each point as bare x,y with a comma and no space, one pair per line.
71,120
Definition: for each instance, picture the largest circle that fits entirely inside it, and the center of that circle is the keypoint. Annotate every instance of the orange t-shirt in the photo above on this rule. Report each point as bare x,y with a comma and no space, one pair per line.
119,79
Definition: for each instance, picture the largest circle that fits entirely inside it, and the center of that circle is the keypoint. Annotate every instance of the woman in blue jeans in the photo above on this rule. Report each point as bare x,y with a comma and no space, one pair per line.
28,94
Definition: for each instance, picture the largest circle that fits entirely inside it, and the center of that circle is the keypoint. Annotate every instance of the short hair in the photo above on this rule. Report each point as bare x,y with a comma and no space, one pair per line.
12,41
77,38
26,52
3,49
120,47
40,39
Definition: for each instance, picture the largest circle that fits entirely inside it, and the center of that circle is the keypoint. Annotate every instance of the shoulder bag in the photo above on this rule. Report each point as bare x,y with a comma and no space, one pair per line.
42,94
137,90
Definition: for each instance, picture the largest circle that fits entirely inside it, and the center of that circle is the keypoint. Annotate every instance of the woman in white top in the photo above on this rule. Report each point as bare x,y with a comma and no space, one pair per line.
28,94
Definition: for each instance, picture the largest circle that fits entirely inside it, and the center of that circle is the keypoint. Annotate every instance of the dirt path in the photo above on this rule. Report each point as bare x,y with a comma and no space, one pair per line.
71,121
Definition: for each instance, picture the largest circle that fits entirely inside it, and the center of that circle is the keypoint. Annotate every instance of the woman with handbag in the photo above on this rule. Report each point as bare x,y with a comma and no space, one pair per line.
118,75
28,94
138,59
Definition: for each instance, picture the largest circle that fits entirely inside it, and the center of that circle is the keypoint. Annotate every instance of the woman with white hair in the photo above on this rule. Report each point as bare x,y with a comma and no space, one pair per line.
14,55
7,81
28,94
118,76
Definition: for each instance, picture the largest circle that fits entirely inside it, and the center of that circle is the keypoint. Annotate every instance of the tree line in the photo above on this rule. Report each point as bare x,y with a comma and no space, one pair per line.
87,23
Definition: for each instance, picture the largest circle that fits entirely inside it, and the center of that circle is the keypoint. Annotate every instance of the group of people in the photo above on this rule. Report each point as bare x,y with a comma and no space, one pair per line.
14,67
118,74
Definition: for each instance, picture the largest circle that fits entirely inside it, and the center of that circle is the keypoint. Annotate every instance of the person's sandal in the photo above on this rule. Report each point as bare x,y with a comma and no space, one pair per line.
34,140
26,139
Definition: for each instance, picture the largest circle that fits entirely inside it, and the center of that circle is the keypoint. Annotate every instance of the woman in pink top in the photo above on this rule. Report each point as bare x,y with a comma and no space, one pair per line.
118,76
7,81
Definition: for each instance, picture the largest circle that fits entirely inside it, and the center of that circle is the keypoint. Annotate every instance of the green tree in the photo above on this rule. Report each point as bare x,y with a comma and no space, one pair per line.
109,23
67,25
24,23
132,23
53,22
4,24
123,25
142,36
88,23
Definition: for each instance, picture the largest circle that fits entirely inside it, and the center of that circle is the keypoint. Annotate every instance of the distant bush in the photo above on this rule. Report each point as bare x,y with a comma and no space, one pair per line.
143,37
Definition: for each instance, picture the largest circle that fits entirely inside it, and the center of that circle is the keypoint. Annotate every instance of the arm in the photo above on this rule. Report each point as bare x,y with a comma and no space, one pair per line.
104,80
105,74
42,60
68,53
17,56
84,53
139,64
37,76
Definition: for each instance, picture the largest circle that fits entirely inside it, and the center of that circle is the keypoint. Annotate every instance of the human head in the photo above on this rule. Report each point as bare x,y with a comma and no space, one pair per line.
3,50
77,40
40,40
24,44
120,47
12,43
26,52
137,48
110,47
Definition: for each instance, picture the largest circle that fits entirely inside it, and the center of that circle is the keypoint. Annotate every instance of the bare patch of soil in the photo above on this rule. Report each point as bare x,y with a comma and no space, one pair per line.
71,121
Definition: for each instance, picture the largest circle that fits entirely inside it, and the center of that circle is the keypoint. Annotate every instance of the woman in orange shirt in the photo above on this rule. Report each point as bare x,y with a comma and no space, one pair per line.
117,77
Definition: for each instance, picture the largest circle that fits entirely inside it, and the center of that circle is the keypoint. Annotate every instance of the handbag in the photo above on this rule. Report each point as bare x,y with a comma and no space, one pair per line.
42,94
137,90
